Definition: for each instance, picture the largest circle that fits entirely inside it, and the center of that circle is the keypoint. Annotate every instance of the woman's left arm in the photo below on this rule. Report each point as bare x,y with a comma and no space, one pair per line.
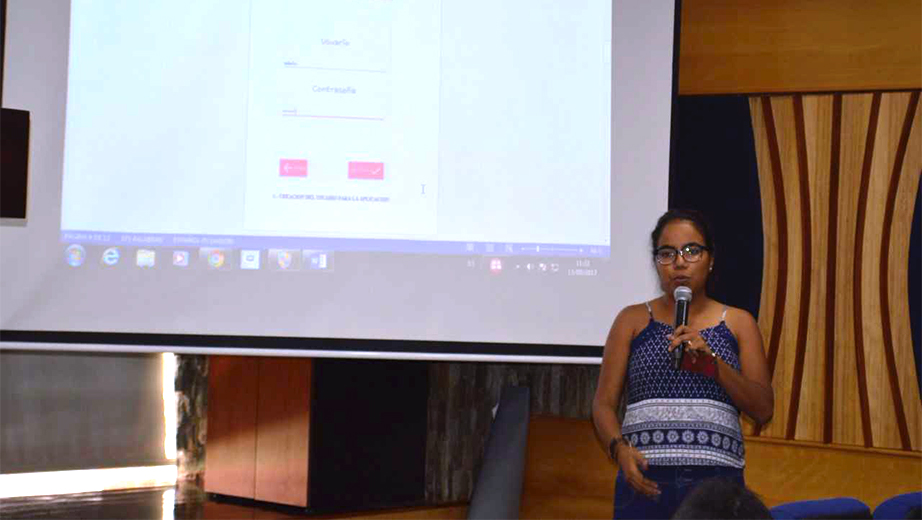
751,387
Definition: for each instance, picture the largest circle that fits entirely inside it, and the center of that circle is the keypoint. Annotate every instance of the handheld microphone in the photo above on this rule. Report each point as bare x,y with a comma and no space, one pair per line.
682,296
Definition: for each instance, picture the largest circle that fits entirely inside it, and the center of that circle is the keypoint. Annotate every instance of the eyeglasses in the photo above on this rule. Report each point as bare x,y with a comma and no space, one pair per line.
691,253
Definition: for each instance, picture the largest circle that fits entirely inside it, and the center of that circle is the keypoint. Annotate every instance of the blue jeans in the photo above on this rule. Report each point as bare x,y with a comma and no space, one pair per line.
674,482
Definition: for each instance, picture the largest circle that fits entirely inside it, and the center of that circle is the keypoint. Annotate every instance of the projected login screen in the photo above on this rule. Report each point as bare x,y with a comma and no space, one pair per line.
367,125
472,171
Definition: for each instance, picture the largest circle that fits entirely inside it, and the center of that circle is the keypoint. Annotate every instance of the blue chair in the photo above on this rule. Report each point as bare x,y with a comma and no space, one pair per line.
898,506
826,508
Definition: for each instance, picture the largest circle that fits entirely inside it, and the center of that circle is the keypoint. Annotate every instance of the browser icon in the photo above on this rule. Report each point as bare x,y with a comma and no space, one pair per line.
285,259
215,258
111,256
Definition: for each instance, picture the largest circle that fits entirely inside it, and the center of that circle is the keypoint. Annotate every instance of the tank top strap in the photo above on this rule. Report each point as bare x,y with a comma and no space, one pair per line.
649,309
723,317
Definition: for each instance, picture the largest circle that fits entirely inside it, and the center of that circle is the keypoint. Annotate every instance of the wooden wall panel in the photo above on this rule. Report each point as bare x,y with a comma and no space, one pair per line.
771,243
817,119
568,475
461,400
907,189
283,435
883,419
838,174
792,325
799,46
847,419
230,458
783,471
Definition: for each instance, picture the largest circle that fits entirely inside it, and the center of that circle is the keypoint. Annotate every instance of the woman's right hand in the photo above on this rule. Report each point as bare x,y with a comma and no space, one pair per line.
630,460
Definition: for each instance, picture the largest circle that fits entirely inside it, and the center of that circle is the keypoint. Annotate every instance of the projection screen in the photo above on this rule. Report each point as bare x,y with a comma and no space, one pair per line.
382,178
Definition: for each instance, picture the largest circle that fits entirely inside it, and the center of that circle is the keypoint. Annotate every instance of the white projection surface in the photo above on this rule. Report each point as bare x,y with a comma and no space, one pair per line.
444,173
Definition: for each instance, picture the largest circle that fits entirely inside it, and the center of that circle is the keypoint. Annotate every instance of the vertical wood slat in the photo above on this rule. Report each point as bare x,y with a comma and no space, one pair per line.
847,426
818,131
884,427
769,219
899,280
806,260
857,302
831,255
785,124
781,215
884,271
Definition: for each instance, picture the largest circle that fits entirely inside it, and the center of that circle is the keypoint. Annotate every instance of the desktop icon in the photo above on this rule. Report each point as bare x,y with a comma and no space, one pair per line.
146,258
496,265
249,259
214,257
181,258
111,256
317,260
75,255
285,259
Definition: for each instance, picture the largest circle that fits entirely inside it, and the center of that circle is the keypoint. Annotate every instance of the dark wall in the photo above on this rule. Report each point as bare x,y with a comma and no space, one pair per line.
368,434
715,172
2,44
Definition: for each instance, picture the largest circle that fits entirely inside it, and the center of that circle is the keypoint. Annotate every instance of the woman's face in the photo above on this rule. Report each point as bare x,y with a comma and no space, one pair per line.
678,234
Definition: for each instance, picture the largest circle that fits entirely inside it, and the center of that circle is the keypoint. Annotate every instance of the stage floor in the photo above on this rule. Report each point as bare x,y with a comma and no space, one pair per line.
184,502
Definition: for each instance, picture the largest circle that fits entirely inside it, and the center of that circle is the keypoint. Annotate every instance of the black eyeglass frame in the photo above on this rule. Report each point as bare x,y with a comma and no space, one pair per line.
677,252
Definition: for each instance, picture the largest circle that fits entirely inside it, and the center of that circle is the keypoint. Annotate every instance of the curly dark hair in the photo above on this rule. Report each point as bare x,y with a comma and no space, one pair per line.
721,498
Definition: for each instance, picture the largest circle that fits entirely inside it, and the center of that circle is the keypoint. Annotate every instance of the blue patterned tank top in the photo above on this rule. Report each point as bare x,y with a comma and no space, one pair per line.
676,417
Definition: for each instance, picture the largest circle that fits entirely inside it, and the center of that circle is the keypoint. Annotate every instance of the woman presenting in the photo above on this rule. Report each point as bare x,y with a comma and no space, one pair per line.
682,425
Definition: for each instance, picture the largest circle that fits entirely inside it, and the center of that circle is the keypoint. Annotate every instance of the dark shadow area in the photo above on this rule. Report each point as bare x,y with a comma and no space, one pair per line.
716,173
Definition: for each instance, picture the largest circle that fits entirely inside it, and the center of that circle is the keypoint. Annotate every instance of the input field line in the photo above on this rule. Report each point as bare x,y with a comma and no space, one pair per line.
335,69
334,117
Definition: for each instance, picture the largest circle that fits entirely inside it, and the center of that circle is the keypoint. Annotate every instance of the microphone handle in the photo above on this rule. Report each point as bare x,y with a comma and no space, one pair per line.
681,318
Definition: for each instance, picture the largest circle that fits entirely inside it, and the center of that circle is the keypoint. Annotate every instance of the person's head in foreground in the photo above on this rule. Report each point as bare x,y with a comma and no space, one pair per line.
721,498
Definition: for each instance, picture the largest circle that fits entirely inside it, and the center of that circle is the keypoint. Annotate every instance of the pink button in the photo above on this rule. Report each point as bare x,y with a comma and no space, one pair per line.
366,170
293,167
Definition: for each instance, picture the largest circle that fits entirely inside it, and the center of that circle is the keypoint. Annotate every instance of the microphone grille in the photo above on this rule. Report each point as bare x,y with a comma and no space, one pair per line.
682,293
